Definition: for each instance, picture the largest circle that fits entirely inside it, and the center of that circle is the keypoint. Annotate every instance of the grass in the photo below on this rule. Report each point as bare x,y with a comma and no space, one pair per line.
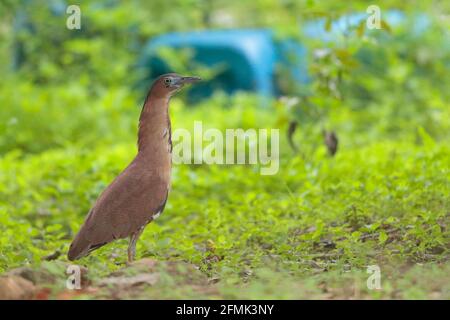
309,231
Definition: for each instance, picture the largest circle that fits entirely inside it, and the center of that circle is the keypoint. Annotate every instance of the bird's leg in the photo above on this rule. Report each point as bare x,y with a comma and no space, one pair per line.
132,246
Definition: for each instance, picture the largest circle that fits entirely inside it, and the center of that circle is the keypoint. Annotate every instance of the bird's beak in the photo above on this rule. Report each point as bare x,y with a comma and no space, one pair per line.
184,80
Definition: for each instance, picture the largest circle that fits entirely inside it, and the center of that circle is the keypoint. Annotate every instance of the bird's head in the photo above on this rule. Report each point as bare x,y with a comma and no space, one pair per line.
168,84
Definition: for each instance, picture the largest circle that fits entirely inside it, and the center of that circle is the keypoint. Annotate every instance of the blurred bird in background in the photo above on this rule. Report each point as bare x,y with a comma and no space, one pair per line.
331,141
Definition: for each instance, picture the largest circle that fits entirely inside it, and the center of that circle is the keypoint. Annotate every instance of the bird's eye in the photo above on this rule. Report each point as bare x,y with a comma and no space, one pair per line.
167,81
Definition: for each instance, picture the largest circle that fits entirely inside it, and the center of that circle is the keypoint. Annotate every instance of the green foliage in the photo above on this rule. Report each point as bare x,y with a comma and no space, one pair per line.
68,126
375,204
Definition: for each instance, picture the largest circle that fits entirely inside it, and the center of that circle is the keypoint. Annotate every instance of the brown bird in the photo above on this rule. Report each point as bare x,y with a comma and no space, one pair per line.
138,195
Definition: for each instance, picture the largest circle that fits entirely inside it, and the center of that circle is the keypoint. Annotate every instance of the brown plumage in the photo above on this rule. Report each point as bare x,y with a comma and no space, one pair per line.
138,194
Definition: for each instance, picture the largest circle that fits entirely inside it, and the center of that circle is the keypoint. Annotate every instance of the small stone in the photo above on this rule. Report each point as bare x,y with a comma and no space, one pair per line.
16,288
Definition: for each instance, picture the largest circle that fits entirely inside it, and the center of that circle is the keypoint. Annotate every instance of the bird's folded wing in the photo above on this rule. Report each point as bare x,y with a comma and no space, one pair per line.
126,205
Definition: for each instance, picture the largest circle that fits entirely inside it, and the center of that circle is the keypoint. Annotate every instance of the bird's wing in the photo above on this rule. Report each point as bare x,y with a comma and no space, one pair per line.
125,206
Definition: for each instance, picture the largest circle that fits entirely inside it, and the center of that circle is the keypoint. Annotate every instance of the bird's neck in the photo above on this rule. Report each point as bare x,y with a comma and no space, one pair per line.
154,124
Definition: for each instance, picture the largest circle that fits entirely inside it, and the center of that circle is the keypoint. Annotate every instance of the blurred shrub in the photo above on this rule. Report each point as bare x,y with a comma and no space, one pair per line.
75,86
38,118
395,78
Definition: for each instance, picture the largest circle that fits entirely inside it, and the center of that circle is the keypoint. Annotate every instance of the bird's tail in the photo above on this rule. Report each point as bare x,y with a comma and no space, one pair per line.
79,247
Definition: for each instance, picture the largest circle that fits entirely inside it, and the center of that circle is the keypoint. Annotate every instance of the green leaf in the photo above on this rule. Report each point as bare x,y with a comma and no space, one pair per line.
361,28
427,140
328,24
382,238
385,26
